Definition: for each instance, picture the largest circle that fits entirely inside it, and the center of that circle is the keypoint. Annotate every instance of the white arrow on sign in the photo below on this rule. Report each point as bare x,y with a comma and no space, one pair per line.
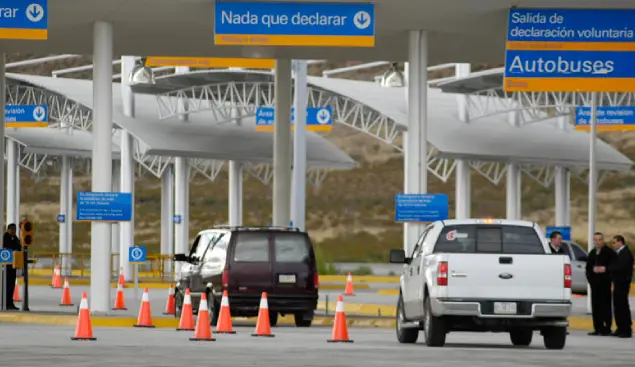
35,12
323,116
39,113
361,19
136,254
5,255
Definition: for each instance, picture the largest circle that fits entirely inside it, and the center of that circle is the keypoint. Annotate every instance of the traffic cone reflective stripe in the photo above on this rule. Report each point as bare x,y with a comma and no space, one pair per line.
340,328
187,318
120,303
263,326
16,292
224,324
84,329
203,331
121,281
349,286
170,306
67,300
57,278
145,313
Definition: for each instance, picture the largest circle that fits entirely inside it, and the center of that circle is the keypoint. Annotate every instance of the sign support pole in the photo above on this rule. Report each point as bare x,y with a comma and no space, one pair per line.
592,182
136,281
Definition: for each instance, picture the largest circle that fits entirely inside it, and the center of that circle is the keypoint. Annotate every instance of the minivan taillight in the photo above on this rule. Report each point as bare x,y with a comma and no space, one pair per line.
316,280
225,279
567,276
442,273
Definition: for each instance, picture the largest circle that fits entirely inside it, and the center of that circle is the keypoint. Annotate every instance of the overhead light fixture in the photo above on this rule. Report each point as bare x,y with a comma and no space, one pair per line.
393,78
141,73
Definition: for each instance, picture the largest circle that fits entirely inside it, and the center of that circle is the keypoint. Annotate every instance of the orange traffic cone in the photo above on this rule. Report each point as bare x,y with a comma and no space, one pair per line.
340,329
84,329
67,300
170,306
203,331
120,303
121,281
16,292
224,324
145,314
263,326
349,286
57,277
187,319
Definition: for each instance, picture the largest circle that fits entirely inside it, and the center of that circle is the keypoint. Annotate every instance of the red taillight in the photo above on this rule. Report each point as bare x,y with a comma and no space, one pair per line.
316,280
225,279
442,273
567,276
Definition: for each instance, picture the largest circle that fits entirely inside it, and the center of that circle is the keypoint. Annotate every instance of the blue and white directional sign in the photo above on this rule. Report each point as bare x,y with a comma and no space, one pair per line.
26,115
61,218
570,50
564,231
24,19
421,207
104,206
609,118
294,24
317,118
137,254
6,256
177,219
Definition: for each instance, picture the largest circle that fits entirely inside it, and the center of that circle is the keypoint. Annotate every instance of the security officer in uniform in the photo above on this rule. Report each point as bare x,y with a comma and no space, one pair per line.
11,241
600,282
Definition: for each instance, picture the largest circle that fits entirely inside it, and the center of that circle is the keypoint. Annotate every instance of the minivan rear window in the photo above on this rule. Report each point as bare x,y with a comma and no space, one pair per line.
251,247
291,248
489,239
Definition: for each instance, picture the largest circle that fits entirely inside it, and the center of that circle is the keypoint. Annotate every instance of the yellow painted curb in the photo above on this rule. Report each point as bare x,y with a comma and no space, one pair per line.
359,309
388,292
72,282
341,287
359,279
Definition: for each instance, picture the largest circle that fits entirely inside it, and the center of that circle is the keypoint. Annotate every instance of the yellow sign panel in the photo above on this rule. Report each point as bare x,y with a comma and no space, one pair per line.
209,62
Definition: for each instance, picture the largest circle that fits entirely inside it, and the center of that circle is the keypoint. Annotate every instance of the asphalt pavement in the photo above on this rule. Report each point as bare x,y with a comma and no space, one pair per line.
34,346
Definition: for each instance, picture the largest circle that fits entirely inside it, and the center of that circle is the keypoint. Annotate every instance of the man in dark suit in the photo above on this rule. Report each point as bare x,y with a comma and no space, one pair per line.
556,243
621,272
11,241
601,256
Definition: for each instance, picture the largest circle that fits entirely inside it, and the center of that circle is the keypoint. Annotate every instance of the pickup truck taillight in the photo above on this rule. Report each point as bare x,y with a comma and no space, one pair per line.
225,279
316,280
567,276
442,273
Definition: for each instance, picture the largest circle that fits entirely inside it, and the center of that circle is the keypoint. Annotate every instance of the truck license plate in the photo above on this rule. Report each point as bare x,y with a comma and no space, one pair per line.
286,278
507,308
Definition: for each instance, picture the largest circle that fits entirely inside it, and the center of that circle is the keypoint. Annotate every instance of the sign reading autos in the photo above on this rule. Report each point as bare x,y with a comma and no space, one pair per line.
570,50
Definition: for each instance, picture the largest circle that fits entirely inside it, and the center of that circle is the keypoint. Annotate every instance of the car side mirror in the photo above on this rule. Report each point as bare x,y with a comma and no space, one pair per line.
398,257
181,257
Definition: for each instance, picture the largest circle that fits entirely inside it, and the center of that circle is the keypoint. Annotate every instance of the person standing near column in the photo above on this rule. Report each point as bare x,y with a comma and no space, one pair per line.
621,271
11,241
601,256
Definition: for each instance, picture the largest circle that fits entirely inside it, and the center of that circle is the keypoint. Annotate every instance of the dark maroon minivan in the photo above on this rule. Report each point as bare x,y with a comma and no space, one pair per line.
247,261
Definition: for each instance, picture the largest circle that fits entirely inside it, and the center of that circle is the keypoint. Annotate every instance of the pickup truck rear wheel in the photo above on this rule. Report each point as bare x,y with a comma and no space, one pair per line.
521,337
555,337
433,327
404,335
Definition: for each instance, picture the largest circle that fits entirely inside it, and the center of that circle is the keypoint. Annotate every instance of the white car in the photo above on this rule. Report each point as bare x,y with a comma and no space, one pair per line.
578,257
483,275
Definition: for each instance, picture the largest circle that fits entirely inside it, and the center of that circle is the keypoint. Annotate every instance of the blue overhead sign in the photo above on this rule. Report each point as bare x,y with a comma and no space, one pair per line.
137,254
421,207
294,24
6,256
24,19
104,206
564,231
317,118
617,118
26,115
570,50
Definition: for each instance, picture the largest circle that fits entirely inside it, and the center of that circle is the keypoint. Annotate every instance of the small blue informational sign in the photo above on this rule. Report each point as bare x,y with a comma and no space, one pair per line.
26,115
618,118
6,256
421,207
564,231
104,206
24,19
570,50
294,24
317,118
137,254
61,218
177,219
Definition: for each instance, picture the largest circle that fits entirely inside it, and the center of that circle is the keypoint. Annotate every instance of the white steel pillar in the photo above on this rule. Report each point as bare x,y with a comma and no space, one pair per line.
2,142
299,145
463,182
181,192
115,245
235,183
126,229
417,147
281,144
69,214
562,184
513,200
167,215
64,203
18,183
101,164
12,166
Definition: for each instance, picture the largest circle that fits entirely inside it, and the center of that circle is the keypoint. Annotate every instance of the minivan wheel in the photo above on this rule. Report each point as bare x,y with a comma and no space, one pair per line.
303,319
404,335
178,303
214,310
273,318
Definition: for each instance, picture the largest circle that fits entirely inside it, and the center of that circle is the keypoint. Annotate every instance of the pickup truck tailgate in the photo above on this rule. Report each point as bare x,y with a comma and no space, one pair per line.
501,276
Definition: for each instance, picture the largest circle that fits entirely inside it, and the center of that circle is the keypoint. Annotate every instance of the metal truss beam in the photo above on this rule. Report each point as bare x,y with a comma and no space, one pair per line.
206,167
543,175
492,171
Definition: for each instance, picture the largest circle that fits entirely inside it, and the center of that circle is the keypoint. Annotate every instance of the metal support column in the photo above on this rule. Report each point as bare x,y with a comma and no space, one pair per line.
12,165
593,182
2,183
167,215
299,146
235,184
514,199
63,231
115,245
182,191
562,185
463,181
101,164
281,144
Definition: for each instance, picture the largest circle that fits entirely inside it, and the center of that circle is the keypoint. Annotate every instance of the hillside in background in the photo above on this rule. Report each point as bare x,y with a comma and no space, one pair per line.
351,215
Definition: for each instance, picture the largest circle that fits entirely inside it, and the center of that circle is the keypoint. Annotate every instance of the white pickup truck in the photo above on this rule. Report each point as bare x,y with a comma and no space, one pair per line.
483,275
